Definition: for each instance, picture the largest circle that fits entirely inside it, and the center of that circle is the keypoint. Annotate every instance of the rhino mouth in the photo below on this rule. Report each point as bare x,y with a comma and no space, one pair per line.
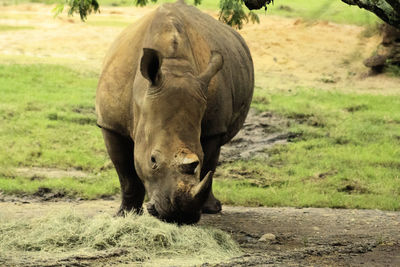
174,215
185,204
151,208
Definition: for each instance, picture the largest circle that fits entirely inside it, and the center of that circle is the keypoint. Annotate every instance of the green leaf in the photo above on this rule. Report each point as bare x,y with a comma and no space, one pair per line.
58,9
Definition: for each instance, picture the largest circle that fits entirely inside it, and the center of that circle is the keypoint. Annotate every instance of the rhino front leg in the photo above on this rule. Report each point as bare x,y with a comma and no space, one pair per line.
120,150
211,148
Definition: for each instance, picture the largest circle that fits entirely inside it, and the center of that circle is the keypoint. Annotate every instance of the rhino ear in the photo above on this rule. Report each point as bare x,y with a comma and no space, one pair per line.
150,66
215,64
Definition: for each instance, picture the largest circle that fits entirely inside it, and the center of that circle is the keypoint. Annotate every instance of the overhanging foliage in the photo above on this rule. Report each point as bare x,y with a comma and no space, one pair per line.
387,10
233,13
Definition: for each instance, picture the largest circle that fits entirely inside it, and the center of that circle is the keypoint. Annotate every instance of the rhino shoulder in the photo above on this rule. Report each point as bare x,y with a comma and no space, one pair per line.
114,90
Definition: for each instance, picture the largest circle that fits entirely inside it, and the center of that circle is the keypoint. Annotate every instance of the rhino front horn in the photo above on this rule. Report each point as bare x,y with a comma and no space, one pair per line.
200,192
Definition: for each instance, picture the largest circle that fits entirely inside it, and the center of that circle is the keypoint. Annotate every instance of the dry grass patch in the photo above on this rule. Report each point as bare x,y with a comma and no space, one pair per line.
68,238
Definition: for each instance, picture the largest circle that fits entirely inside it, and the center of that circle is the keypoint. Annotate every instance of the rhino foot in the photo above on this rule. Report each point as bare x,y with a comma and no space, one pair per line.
212,205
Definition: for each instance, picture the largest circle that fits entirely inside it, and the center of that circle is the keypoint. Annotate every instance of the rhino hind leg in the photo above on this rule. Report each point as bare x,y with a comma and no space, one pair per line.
211,149
120,150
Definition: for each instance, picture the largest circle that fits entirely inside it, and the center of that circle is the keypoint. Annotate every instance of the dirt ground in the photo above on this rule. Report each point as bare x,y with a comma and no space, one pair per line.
287,53
311,237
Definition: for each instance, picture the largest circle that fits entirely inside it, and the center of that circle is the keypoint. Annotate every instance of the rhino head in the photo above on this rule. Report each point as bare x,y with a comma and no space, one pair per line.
168,153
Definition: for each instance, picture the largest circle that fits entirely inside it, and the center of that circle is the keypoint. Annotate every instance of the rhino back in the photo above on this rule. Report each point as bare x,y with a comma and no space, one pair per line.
179,31
230,92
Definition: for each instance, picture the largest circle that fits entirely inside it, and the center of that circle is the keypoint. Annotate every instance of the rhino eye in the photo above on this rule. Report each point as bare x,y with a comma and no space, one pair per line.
153,162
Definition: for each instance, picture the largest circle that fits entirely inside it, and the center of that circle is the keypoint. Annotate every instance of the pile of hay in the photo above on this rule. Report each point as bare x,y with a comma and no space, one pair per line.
68,238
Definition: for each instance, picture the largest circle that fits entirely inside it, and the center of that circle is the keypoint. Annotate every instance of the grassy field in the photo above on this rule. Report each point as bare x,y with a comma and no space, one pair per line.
343,150
47,120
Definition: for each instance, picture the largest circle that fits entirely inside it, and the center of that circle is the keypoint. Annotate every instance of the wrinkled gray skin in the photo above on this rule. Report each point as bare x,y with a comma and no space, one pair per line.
175,87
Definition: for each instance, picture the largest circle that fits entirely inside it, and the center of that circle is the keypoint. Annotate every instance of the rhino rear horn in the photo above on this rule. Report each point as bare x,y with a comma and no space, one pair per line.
150,66
215,65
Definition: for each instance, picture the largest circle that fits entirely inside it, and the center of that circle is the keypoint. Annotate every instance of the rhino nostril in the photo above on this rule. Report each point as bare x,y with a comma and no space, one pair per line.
188,168
187,163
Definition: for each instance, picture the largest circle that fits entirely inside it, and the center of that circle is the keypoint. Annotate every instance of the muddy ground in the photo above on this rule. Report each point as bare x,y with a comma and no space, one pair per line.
292,237
311,237
259,132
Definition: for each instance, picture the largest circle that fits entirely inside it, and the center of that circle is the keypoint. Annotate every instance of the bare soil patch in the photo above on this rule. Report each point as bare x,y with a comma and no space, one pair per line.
37,173
304,237
260,132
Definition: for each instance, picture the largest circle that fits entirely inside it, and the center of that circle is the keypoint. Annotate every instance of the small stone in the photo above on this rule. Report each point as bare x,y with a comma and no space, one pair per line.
267,237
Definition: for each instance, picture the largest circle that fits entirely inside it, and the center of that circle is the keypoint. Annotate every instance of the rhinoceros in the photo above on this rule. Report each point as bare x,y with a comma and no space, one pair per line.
175,86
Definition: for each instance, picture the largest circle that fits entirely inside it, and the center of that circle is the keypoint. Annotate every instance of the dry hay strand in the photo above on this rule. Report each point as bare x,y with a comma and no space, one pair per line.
68,238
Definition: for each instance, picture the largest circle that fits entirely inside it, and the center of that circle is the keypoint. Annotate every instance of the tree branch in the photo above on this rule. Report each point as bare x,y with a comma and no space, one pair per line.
395,5
387,10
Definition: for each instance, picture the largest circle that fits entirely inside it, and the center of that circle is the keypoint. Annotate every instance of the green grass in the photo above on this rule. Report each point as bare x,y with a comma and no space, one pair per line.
62,238
344,152
48,120
335,11
14,28
393,70
91,187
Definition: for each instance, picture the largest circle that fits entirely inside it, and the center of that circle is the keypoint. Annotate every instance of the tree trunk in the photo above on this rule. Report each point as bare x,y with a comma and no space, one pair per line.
388,52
